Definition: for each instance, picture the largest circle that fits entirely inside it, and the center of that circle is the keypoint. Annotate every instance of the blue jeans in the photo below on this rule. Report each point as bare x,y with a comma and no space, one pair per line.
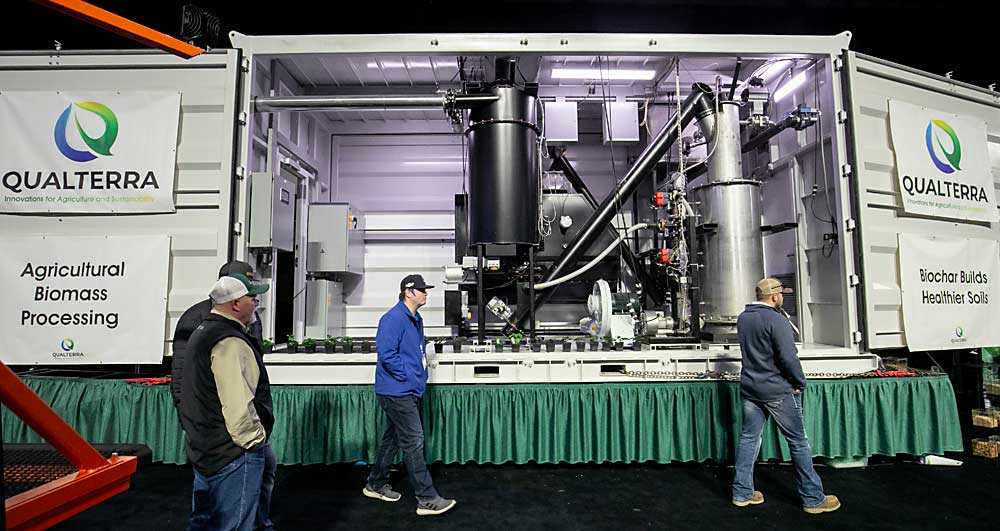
228,500
787,413
404,432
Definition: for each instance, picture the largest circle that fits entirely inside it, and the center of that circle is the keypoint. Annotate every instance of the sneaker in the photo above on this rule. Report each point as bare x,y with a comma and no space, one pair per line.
434,506
756,499
385,493
830,504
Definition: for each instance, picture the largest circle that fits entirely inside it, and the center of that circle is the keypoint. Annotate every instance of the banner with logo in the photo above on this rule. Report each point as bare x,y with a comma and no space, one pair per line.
942,163
951,292
83,300
88,152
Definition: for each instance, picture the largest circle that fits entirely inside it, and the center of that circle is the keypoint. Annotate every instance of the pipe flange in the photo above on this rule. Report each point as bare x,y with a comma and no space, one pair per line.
533,127
726,183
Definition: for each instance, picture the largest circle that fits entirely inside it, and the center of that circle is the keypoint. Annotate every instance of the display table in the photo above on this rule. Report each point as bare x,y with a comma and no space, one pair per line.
571,423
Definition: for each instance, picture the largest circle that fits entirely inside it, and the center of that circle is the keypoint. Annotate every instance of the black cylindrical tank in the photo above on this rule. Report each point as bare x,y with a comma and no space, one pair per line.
503,169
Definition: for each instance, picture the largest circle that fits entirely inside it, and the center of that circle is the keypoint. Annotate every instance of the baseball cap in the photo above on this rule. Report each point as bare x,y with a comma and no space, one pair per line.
232,287
414,282
771,286
235,266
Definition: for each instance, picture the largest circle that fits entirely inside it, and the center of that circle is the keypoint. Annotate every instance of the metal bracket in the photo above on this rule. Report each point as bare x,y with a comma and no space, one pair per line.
242,119
238,228
245,64
857,337
841,117
838,63
241,172
854,280
846,170
851,224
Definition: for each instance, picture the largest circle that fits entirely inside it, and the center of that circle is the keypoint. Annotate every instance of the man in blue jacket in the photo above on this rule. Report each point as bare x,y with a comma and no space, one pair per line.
400,380
771,385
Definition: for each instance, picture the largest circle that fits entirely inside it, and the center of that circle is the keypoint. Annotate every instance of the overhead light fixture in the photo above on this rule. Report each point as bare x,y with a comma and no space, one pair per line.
410,64
597,73
789,86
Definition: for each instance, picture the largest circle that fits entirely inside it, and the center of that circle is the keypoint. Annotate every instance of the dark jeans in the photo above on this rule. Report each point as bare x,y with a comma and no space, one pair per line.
228,500
405,432
266,487
787,413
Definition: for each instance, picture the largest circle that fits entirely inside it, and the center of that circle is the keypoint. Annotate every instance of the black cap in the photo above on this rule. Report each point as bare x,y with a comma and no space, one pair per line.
414,282
235,267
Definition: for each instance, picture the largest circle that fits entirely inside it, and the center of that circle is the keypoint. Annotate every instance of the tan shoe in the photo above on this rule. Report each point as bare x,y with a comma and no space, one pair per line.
830,504
756,499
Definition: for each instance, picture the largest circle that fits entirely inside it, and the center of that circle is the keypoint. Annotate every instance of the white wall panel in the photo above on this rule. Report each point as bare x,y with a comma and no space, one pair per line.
200,228
881,215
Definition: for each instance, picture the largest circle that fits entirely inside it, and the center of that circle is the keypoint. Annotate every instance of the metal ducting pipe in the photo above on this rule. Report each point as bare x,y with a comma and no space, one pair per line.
698,105
729,232
331,103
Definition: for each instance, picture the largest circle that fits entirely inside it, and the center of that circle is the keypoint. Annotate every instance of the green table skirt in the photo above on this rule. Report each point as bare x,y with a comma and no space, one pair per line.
571,423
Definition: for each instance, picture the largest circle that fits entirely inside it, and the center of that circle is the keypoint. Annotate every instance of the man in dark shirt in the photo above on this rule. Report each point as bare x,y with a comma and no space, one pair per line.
192,317
186,325
771,385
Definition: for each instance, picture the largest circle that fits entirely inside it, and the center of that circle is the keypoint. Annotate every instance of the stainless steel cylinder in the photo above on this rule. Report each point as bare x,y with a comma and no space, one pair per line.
730,237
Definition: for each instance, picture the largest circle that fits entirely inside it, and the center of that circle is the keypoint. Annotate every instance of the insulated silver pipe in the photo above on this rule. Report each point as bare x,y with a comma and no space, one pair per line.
332,103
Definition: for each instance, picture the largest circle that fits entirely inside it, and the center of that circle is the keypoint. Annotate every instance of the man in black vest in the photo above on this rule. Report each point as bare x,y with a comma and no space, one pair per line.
226,411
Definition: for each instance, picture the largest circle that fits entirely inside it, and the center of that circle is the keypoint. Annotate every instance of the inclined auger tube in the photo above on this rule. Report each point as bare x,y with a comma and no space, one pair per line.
698,105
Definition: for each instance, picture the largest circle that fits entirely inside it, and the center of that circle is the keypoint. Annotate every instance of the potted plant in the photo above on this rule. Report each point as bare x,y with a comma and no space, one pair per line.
293,344
267,346
309,345
348,344
330,344
515,342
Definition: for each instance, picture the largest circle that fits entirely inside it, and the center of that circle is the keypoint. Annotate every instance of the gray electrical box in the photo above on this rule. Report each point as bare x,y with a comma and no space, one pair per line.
272,211
326,313
336,239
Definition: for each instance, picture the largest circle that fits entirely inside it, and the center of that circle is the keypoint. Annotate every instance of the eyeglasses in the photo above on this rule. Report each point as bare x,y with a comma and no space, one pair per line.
420,290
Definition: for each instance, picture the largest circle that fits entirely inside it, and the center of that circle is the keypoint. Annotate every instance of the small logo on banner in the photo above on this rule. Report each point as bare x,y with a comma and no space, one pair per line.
98,146
67,346
959,335
954,157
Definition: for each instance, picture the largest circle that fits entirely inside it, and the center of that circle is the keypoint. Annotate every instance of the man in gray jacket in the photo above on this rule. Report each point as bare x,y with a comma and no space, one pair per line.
771,385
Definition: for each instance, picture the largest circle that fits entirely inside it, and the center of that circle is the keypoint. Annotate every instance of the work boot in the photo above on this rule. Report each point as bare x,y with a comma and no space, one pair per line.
434,506
385,493
756,499
830,504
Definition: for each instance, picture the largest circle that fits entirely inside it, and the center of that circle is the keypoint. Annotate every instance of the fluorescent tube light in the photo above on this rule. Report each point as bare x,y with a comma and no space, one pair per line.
789,86
595,73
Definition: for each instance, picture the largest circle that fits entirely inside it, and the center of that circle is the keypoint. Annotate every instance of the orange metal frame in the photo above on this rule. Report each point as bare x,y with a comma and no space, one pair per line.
97,480
122,26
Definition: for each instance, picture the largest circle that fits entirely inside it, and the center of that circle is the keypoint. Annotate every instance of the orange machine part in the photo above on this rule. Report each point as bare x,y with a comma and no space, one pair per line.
123,26
97,479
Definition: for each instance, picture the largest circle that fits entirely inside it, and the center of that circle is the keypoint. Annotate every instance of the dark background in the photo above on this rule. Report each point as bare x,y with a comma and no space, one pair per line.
937,36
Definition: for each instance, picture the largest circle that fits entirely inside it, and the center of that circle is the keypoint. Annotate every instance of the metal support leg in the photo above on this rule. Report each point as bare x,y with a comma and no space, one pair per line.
531,291
481,302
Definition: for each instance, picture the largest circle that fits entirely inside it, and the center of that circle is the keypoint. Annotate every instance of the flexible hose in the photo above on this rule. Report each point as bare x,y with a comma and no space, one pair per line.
592,263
